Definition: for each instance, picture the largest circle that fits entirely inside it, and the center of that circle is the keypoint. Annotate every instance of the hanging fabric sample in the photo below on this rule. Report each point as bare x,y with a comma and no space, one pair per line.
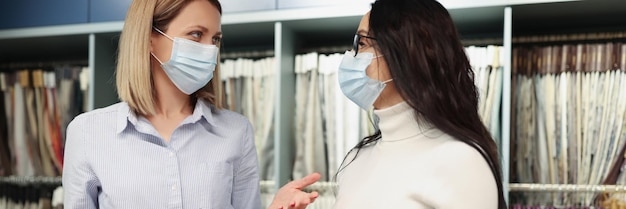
249,89
569,117
28,193
33,116
488,70
311,154
6,168
327,124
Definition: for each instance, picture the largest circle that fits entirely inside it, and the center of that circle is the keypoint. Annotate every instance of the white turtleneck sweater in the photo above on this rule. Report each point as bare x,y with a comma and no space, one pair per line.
415,167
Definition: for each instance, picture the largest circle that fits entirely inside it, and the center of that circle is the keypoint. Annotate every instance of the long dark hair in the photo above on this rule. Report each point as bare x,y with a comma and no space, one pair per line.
431,71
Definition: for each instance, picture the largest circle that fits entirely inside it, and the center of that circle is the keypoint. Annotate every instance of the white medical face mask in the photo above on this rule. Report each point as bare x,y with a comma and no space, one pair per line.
191,64
354,82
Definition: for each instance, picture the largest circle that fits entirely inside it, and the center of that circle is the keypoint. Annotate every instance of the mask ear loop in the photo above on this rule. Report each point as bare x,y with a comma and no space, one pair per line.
378,71
155,57
161,32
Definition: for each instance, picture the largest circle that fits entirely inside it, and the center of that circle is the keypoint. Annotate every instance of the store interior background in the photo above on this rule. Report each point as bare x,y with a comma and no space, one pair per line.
559,124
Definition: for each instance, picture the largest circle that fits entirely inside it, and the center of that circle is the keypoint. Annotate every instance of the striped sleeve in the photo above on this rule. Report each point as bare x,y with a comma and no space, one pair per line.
80,184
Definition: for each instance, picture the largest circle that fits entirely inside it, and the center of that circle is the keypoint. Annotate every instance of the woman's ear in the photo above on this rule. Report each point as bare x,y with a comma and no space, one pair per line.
152,41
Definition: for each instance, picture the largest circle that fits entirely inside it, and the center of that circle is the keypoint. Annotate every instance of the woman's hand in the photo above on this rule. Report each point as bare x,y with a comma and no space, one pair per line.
291,195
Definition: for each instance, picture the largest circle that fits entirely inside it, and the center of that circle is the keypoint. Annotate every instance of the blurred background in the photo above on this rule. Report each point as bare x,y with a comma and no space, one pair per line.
551,76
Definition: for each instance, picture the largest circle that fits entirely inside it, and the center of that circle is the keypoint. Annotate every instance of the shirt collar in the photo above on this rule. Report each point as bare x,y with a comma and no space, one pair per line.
202,109
125,115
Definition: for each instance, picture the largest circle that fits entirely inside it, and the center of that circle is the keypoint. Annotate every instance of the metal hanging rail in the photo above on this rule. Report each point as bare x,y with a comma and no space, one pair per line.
522,187
31,180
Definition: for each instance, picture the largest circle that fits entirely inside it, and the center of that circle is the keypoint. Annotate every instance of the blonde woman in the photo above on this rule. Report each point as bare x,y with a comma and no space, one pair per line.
168,143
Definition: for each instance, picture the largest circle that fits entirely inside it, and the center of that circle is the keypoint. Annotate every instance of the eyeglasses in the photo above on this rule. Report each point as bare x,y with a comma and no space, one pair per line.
357,39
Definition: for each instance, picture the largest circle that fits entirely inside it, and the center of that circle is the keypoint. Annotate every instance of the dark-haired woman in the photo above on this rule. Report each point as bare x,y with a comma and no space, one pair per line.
431,149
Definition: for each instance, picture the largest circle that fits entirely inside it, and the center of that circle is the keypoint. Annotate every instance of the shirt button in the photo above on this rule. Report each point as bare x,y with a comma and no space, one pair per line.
171,154
173,187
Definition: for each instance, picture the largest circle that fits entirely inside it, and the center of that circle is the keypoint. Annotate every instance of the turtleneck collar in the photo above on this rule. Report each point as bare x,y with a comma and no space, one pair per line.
398,123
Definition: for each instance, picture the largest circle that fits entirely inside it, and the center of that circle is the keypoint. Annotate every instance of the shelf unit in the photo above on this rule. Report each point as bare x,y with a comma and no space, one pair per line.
291,31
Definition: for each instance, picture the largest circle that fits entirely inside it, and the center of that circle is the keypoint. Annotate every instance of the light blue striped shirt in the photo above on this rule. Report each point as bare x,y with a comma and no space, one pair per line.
115,159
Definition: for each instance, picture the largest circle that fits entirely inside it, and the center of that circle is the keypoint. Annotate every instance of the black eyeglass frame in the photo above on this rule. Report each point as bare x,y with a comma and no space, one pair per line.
355,42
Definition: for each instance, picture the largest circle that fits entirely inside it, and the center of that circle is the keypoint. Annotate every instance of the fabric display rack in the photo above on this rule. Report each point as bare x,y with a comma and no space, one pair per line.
570,96
551,78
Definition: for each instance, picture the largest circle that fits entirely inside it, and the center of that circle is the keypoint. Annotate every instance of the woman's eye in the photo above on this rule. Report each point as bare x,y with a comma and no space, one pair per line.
196,34
217,40
361,44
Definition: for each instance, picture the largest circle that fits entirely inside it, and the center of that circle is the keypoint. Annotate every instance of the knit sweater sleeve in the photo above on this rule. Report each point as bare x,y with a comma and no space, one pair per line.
466,179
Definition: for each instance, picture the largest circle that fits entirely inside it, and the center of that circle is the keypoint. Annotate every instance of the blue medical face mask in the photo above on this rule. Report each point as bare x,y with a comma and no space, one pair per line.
354,82
191,64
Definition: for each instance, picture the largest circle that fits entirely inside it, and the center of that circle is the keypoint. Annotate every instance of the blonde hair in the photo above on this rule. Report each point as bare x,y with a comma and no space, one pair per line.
133,76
